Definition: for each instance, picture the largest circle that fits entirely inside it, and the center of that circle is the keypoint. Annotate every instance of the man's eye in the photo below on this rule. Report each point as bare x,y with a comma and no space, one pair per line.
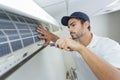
73,25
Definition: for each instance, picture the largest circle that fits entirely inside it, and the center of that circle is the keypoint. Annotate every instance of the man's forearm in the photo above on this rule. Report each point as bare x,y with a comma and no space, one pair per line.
102,69
54,37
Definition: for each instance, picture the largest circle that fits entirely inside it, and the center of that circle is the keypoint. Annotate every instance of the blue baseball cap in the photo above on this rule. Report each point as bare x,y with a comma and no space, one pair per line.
80,15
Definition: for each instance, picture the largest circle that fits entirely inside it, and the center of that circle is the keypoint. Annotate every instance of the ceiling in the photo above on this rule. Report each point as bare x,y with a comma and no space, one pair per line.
59,8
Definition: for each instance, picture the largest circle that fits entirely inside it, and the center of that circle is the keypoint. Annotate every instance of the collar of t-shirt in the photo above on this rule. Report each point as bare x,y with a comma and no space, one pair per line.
93,41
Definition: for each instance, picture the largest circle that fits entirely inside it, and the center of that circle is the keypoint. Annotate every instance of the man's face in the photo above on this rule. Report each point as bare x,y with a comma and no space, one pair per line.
76,29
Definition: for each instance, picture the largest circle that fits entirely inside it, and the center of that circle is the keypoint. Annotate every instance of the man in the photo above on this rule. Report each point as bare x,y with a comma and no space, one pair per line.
102,55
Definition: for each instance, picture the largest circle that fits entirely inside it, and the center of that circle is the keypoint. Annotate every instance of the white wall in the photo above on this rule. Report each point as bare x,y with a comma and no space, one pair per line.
107,25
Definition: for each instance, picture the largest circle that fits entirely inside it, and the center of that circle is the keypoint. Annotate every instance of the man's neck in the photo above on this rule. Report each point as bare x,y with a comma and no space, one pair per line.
86,39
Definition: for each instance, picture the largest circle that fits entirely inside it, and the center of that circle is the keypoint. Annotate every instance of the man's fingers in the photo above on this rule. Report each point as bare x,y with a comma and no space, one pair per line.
42,37
41,29
46,42
43,34
40,32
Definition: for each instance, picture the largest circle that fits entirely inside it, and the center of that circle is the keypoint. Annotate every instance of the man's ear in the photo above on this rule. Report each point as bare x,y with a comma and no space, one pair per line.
86,24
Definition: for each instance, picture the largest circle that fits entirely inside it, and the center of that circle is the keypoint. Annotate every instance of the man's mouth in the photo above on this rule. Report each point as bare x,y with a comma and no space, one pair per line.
72,33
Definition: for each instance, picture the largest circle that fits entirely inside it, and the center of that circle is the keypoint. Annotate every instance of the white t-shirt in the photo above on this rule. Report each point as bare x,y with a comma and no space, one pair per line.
105,48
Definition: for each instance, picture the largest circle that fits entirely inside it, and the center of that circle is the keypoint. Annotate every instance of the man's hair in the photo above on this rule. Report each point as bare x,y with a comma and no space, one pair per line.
83,21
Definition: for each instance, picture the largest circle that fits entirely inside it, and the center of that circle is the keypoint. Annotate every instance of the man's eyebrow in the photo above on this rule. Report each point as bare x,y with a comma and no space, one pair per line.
71,23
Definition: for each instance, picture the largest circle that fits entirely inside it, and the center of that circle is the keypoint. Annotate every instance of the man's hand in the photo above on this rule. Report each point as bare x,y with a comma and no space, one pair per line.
68,44
46,35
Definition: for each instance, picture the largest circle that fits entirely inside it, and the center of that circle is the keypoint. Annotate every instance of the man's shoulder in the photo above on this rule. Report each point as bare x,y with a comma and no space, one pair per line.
106,41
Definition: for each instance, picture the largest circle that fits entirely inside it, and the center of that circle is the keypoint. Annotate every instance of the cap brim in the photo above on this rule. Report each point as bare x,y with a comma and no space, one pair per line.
64,20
